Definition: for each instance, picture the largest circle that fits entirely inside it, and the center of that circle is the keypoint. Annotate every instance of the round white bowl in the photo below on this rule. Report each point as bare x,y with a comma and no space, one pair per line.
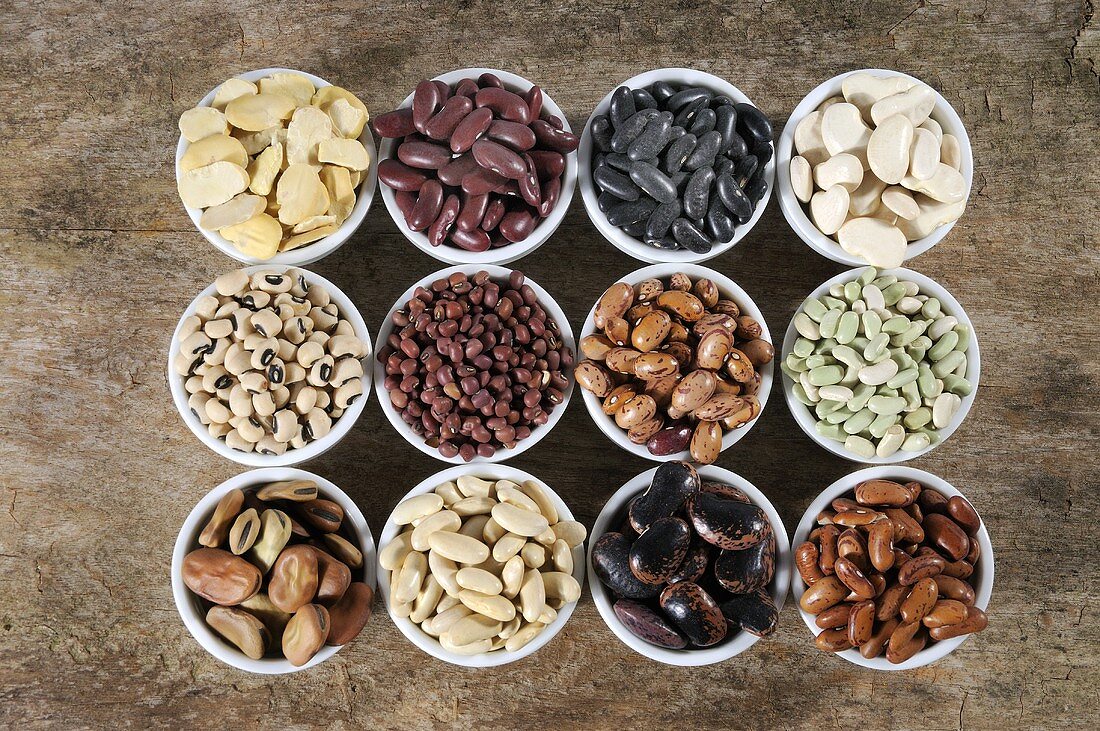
729,290
451,254
497,273
807,419
430,644
628,244
190,606
310,252
793,209
612,515
981,580
340,427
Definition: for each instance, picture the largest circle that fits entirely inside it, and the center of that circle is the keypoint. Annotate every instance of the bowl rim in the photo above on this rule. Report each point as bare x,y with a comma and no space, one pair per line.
778,587
187,540
340,427
802,414
449,254
428,643
792,208
497,272
727,287
310,252
628,244
984,570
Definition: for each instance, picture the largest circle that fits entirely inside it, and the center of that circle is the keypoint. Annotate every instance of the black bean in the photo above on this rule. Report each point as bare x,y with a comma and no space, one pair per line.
697,193
724,165
682,98
630,129
686,115
653,181
662,91
622,106
756,189
605,200
643,99
721,101
726,123
705,151
626,213
601,133
617,184
635,230
619,161
679,180
688,235
704,122
660,221
763,153
599,160
719,224
738,148
754,124
746,166
665,242
732,197
678,152
652,140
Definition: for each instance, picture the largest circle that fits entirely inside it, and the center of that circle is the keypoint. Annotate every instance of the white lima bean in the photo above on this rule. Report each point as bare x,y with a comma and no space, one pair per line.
896,382
906,171
481,565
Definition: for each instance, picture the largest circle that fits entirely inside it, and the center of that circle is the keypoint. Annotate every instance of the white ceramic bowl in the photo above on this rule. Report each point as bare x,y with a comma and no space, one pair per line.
451,254
807,419
981,580
431,645
190,606
795,212
729,290
340,427
614,511
498,273
311,252
628,244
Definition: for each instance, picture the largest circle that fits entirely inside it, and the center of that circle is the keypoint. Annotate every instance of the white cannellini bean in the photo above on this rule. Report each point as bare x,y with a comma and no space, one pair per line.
560,585
562,556
474,648
479,580
445,572
472,628
512,576
509,545
494,606
802,179
519,521
524,636
570,531
449,492
394,552
492,532
513,496
474,526
410,578
417,507
426,600
536,492
473,506
532,595
471,486
458,547
444,520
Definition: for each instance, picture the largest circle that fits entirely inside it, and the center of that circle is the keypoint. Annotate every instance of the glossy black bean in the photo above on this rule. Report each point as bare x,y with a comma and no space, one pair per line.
763,153
724,165
697,193
622,106
619,161
605,200
732,196
630,129
721,101
756,189
657,133
726,123
628,212
682,98
648,625
755,613
686,116
653,181
705,151
662,91
677,152
689,236
599,160
660,221
719,224
754,124
601,133
745,169
617,184
737,147
666,242
679,180
704,122
635,230
643,99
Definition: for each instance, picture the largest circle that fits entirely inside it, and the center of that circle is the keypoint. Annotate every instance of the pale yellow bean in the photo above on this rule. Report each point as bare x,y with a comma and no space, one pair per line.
444,570
510,628
449,492
563,556
443,621
474,648
446,602
410,578
547,537
532,595
508,545
533,555
537,493
523,636
561,586
512,576
548,614
513,496
458,547
495,606
492,532
471,486
519,521
393,555
473,628
474,526
444,520
473,506
571,531
417,507
480,580
426,600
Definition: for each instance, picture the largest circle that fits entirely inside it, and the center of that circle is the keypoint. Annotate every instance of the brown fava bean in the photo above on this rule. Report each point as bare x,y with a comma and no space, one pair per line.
305,634
976,621
823,594
239,628
219,576
344,549
217,528
322,514
298,491
245,530
947,535
333,578
349,615
294,578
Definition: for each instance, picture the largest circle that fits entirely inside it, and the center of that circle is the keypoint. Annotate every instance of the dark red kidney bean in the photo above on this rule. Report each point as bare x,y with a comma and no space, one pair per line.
550,193
444,90
425,103
476,240
397,123
441,227
428,206
482,181
504,104
517,226
529,184
442,125
551,138
548,163
423,155
452,173
399,176
513,134
533,97
466,87
509,188
470,129
499,159
489,79
473,210
493,214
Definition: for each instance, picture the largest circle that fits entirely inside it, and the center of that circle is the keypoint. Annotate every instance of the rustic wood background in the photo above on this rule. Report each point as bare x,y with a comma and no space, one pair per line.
99,259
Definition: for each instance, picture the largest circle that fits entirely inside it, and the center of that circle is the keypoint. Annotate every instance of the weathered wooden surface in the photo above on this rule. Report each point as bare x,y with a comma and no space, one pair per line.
99,259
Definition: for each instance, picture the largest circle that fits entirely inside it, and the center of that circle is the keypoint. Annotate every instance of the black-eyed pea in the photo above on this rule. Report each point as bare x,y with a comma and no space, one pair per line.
321,371
197,404
345,370
318,424
346,395
218,431
217,412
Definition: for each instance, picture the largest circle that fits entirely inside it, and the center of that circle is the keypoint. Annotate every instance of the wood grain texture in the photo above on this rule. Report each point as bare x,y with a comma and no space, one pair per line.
99,259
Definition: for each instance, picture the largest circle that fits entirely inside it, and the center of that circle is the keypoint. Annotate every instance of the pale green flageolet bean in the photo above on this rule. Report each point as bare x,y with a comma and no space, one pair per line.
867,275
860,446
872,295
903,377
909,305
879,373
943,346
912,396
902,358
926,381
834,304
860,394
836,393
806,327
881,423
885,281
795,363
824,408
891,441
886,404
918,418
825,346
964,338
931,308
937,329
893,293
876,347
792,374
851,376
839,416
859,343
859,307
830,431
814,309
803,347
836,290
800,394
817,360
896,325
859,421
829,323
915,331
848,356
826,375
872,323
885,390
847,328
948,363
851,291
915,442
956,385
